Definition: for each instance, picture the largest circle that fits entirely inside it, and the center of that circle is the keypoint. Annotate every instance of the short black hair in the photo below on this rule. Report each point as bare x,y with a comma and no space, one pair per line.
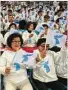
22,24
39,11
46,16
12,36
40,41
11,25
10,10
55,49
28,24
45,25
60,10
57,21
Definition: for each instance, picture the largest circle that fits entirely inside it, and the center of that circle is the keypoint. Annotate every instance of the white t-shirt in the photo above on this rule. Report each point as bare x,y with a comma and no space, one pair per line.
62,63
45,68
30,41
18,74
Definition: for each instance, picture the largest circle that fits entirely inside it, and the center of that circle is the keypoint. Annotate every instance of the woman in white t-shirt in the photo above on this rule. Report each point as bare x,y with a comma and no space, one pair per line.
12,67
29,36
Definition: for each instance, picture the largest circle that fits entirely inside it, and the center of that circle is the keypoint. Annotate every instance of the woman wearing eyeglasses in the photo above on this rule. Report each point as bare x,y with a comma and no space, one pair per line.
44,74
12,67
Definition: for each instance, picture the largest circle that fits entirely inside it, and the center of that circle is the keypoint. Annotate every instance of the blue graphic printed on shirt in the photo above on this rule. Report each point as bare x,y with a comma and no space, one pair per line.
17,66
46,66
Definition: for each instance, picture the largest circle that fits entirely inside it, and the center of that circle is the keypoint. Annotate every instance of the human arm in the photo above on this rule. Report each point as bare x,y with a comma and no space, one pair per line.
3,63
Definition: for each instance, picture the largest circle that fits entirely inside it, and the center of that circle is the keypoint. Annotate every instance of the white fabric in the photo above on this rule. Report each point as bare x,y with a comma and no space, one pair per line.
45,69
40,19
30,41
58,39
10,86
62,63
18,74
1,40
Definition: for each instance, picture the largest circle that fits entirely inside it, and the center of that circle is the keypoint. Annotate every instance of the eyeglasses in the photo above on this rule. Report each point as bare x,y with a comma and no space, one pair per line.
16,41
42,45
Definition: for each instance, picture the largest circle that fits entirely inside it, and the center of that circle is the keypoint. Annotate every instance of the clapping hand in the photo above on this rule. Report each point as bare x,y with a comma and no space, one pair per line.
31,35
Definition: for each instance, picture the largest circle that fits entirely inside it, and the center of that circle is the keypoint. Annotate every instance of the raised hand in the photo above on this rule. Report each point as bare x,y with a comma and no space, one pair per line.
7,70
31,35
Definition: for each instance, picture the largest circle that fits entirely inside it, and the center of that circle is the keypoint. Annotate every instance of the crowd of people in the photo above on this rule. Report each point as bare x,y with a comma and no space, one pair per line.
34,36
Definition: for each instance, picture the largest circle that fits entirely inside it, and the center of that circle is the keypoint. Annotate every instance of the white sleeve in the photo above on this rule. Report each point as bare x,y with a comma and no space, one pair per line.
2,65
5,38
55,56
1,40
60,63
61,66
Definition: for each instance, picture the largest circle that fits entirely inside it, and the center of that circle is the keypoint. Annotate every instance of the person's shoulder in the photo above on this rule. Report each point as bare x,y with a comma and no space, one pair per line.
1,35
51,52
25,32
36,51
22,51
6,52
33,32
7,34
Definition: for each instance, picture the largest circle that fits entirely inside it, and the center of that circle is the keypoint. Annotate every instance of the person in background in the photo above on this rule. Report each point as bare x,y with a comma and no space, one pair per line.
40,17
57,25
31,37
9,13
12,67
48,21
10,21
46,18
47,33
11,29
12,26
59,6
61,65
58,14
22,26
2,24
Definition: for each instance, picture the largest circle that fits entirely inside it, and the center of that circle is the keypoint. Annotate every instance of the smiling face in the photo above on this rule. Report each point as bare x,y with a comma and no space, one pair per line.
16,44
31,27
11,18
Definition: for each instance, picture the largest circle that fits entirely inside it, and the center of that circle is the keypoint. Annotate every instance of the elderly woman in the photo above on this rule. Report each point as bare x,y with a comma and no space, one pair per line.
12,67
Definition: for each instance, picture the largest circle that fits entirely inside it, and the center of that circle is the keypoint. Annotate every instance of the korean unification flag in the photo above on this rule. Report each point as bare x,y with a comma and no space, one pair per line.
28,59
39,28
59,39
23,58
